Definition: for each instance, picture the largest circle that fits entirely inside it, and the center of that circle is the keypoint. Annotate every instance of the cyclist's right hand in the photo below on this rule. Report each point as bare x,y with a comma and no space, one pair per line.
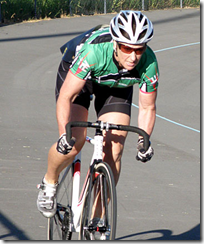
63,146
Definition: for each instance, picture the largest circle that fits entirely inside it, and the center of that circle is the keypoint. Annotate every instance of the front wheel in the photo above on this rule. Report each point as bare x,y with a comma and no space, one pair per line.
99,214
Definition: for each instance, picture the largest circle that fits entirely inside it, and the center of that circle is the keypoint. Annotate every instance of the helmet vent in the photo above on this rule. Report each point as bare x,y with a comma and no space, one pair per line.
124,16
142,34
120,22
124,33
113,32
150,36
114,20
133,25
141,17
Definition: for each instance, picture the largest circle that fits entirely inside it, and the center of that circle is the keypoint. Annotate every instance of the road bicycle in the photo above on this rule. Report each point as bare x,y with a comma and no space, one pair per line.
98,194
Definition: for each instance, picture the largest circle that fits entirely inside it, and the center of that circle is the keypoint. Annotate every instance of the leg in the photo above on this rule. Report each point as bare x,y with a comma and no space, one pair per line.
113,105
56,161
114,141
113,148
46,201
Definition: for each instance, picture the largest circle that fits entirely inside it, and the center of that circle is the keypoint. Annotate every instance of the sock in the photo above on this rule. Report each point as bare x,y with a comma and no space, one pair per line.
48,184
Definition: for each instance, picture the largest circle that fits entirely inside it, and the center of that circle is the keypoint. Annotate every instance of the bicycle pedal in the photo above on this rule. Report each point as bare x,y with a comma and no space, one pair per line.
92,228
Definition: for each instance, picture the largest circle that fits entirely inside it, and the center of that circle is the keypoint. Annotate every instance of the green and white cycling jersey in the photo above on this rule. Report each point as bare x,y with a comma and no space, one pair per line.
94,60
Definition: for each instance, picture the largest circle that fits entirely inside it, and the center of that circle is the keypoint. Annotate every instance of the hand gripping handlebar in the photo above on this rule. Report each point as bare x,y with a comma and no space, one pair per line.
106,126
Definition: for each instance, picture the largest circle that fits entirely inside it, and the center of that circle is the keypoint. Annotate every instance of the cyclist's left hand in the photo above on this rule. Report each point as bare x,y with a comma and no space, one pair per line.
143,155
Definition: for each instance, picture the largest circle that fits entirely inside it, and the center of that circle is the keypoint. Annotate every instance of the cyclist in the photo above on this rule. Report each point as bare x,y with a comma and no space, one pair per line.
107,62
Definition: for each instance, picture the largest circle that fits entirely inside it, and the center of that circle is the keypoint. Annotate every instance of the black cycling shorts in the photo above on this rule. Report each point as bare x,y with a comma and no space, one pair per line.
106,99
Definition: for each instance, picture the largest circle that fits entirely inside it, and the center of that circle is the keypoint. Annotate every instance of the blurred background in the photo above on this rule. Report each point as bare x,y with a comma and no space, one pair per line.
20,10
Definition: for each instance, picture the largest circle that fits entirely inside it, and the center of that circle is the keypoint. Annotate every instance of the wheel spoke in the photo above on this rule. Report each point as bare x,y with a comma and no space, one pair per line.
58,226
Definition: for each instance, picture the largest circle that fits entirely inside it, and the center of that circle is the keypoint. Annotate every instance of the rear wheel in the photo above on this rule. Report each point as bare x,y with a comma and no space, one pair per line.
100,206
59,225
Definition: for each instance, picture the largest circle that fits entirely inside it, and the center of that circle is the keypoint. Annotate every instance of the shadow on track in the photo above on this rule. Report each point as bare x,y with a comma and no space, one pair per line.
11,229
193,234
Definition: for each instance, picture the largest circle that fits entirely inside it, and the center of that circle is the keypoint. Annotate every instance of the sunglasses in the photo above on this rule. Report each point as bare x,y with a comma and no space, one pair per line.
129,50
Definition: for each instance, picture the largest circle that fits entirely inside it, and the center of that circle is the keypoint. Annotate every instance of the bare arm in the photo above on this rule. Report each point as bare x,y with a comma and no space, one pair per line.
147,111
68,92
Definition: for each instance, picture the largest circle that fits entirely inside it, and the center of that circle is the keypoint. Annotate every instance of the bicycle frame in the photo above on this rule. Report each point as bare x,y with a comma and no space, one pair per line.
77,202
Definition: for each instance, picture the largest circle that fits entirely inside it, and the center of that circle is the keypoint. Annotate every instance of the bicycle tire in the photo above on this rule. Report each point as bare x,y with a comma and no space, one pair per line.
102,173
58,225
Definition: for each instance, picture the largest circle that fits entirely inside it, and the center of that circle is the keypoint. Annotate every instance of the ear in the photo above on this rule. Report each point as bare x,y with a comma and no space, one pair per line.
114,45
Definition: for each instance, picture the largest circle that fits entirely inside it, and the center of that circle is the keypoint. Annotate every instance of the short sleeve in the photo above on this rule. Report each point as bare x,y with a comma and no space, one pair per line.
84,63
149,78
148,71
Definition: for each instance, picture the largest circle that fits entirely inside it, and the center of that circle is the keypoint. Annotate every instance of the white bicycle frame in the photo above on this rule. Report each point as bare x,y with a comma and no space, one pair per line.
77,202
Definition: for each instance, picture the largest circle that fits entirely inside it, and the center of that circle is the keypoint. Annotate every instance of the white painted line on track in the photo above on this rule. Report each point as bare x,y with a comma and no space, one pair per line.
161,117
171,121
170,48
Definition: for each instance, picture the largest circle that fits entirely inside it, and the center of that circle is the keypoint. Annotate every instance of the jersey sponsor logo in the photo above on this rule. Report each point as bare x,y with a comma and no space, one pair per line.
144,87
153,79
83,65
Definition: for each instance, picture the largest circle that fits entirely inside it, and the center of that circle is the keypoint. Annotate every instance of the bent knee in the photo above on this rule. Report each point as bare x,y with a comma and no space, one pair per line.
76,148
63,157
74,152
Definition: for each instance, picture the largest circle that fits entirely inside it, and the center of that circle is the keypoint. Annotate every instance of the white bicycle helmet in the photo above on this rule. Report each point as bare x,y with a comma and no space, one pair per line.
131,27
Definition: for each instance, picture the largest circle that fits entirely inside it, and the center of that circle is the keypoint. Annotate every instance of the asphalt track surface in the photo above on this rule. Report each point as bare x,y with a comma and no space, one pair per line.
159,200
